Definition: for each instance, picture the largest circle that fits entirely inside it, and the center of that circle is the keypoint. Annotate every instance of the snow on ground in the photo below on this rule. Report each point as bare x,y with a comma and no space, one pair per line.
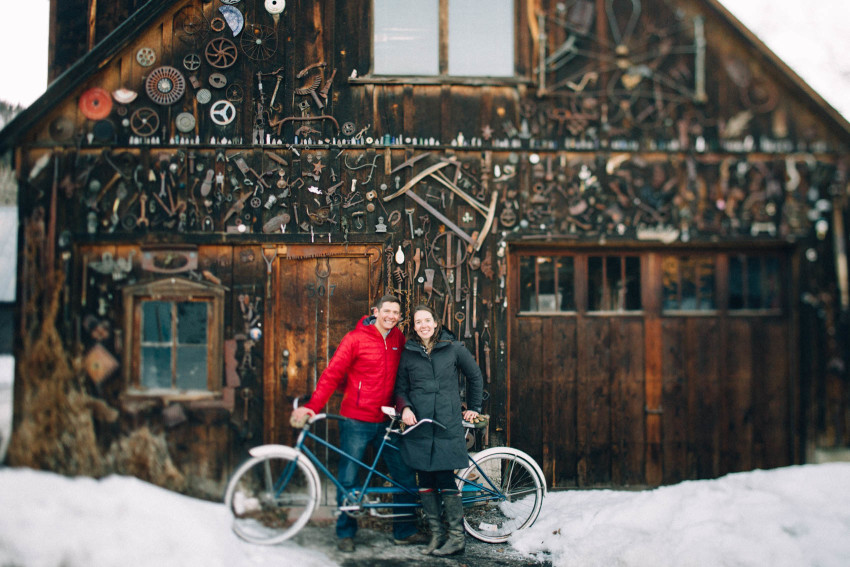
50,521
795,517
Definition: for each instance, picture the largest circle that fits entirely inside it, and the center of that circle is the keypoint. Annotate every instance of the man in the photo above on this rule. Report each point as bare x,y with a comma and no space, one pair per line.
365,366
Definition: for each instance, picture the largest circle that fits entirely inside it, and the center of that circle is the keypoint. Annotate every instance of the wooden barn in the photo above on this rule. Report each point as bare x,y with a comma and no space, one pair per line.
633,213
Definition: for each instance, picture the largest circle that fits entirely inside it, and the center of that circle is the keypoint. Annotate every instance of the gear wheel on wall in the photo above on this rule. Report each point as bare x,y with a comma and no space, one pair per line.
144,122
165,85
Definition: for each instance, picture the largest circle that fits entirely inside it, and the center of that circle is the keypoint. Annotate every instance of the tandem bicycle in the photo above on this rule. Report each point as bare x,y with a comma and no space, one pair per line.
273,494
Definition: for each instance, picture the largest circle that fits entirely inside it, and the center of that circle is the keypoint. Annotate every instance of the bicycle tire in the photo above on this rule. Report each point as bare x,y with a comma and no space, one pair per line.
517,487
271,497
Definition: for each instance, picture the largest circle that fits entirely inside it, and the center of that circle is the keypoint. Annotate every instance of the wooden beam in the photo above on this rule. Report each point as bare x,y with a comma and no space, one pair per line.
92,24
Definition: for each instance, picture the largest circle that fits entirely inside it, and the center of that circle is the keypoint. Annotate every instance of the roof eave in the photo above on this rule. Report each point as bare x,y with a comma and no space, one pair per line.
81,71
830,113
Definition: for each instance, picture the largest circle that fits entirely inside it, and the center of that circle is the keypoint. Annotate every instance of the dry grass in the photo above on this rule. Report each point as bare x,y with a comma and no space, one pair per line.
55,426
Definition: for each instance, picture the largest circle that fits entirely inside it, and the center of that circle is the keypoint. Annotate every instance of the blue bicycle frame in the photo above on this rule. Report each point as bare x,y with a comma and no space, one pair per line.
473,492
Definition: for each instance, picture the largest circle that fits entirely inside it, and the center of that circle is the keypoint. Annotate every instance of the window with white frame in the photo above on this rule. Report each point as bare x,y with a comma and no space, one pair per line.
478,36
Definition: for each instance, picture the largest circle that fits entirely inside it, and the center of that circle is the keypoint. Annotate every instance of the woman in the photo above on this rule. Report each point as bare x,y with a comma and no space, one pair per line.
427,387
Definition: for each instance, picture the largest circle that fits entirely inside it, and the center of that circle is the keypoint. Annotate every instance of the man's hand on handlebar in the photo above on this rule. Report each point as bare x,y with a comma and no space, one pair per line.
408,417
300,416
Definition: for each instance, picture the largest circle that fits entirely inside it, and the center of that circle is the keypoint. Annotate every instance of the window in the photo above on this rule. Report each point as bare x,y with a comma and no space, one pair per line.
754,283
613,283
547,284
174,337
550,284
688,283
174,344
478,35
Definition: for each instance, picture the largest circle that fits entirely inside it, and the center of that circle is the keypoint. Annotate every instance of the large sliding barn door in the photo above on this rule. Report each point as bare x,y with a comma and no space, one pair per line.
648,367
320,292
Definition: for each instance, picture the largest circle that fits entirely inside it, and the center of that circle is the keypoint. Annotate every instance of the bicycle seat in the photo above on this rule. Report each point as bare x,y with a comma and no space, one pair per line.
389,411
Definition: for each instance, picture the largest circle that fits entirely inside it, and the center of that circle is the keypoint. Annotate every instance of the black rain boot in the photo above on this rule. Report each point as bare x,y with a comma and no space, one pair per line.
431,506
456,542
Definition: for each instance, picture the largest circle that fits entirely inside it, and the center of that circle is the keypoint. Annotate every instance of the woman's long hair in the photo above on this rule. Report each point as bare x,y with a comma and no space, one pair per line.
411,334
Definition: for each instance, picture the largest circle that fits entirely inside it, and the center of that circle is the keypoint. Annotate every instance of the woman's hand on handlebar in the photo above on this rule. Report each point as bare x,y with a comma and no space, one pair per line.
408,417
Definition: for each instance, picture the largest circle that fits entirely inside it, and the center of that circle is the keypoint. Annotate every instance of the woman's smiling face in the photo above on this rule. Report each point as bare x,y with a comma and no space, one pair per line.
424,325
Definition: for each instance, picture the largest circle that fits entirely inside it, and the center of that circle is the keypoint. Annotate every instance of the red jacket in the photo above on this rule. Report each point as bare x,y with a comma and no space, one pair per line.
364,366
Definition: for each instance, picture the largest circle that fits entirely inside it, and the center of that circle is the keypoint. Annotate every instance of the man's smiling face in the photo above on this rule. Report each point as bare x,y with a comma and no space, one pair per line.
387,316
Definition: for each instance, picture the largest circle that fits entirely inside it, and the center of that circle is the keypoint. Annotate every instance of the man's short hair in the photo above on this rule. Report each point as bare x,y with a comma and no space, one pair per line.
388,299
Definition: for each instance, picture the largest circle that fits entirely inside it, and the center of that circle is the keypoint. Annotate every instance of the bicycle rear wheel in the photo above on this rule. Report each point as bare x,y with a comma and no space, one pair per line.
501,495
272,497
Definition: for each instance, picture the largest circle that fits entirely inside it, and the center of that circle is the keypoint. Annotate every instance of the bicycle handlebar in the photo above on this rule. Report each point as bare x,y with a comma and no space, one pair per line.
420,422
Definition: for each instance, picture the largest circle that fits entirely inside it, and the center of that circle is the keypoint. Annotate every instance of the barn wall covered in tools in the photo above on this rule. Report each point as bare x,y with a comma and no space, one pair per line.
632,213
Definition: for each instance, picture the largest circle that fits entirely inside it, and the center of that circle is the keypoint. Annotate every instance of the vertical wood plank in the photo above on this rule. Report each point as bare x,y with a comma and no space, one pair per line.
627,402
653,349
674,402
701,346
593,403
737,439
526,389
772,439
563,403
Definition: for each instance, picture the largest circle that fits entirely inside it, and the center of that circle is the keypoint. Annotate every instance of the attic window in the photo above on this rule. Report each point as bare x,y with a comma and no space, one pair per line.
478,36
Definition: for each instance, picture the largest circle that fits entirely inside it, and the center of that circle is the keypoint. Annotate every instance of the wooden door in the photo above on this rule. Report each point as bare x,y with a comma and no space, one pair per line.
689,382
320,292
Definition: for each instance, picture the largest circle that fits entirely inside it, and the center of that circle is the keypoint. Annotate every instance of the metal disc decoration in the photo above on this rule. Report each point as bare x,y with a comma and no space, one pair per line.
185,122
146,56
61,129
165,85
203,96
222,112
95,103
230,2
217,80
191,26
275,7
144,122
259,42
221,53
124,96
235,93
234,18
192,62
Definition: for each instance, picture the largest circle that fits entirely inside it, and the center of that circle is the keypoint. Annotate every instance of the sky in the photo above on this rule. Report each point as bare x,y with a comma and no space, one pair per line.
790,517
810,36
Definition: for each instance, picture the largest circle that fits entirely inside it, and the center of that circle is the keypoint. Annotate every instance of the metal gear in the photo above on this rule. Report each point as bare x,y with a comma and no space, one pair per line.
144,122
165,85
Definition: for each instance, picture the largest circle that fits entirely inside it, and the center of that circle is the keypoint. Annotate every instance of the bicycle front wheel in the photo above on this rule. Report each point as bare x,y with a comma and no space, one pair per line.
272,497
502,494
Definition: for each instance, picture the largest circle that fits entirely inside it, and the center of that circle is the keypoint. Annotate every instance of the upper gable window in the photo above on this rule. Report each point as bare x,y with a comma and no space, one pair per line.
478,35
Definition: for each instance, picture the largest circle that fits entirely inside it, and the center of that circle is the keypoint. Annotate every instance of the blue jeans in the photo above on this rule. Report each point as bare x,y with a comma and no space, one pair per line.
355,436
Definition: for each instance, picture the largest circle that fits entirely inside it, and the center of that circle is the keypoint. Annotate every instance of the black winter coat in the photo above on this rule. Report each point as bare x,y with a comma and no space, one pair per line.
429,386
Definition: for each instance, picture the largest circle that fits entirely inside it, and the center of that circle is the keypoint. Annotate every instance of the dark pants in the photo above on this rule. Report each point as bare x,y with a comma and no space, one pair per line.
437,480
355,436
